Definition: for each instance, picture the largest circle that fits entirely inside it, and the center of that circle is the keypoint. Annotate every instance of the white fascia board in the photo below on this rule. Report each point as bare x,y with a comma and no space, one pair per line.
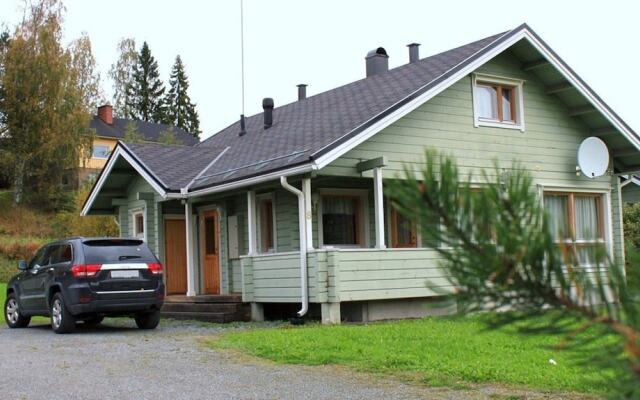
255,180
524,33
117,153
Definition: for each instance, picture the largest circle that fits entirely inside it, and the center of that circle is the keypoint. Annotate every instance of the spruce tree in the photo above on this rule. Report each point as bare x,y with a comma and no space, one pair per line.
181,112
146,90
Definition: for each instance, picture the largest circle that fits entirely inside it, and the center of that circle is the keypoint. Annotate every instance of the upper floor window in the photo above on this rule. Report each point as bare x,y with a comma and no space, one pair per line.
497,102
101,151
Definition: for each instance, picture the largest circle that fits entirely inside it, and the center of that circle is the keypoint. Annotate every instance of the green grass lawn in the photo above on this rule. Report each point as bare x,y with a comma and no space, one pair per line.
450,351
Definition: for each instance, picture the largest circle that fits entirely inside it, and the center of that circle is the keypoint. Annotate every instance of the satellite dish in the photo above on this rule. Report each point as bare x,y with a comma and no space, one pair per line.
593,157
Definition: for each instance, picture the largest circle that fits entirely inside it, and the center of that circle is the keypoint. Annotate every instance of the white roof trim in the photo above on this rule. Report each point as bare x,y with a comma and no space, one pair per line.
185,190
633,180
134,162
523,33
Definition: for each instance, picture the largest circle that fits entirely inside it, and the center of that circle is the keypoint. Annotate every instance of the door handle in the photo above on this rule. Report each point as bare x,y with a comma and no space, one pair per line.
50,269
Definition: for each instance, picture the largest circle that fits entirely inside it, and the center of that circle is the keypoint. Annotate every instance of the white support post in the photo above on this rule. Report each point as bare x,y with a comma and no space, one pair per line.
251,222
308,213
191,273
379,207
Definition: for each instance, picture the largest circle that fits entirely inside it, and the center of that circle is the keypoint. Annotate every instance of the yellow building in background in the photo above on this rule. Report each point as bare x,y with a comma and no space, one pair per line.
109,130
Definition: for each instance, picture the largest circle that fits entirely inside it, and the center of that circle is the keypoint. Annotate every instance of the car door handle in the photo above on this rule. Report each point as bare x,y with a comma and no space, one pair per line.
50,269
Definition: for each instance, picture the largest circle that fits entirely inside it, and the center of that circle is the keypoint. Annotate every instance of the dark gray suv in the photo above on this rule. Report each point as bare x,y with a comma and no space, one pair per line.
87,279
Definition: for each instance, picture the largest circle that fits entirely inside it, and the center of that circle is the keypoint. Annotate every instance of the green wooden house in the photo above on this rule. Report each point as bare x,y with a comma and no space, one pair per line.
286,210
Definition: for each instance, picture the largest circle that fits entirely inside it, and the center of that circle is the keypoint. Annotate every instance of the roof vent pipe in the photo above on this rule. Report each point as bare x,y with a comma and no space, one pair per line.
377,61
414,52
243,129
302,91
267,106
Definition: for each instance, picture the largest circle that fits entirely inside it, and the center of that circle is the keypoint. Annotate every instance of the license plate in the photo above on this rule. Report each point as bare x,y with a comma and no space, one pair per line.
125,274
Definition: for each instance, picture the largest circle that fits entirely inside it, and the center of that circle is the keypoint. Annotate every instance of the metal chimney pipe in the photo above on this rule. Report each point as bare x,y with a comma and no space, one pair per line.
302,91
243,130
377,61
414,52
267,106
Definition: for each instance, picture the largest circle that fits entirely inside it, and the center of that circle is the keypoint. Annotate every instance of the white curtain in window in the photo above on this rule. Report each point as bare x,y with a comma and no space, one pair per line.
556,208
586,218
337,205
487,102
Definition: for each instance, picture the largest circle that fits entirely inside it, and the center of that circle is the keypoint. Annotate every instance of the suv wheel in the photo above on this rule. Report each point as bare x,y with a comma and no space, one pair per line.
148,320
12,314
61,320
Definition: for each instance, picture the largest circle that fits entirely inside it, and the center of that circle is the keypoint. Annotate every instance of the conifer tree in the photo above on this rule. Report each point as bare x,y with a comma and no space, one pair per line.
146,90
181,112
499,252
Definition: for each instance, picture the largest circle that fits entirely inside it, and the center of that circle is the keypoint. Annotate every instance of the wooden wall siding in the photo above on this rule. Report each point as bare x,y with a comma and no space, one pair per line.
631,193
616,216
389,274
343,275
123,220
547,148
235,268
276,278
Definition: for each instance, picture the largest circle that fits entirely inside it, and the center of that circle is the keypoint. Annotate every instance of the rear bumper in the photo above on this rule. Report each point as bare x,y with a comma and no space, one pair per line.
120,303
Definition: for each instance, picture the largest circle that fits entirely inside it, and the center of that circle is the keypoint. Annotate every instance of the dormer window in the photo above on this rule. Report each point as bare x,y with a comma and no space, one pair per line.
497,102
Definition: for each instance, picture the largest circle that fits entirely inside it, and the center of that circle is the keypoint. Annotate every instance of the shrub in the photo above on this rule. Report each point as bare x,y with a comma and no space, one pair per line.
631,222
18,251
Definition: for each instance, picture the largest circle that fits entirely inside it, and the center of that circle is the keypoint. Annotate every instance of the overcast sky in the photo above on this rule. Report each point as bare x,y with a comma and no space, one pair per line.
323,43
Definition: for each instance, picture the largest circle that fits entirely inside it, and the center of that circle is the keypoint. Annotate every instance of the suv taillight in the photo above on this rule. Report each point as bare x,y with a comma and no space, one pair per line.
155,268
85,270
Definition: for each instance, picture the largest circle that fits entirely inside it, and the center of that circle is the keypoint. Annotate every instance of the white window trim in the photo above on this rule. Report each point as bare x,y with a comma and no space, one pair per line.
139,211
608,216
109,150
266,196
363,194
519,89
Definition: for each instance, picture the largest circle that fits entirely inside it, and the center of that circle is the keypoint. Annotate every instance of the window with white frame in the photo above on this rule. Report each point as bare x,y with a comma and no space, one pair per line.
266,223
101,151
139,225
498,102
577,221
342,219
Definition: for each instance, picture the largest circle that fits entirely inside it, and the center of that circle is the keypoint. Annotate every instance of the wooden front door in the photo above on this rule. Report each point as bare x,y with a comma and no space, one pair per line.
175,248
211,252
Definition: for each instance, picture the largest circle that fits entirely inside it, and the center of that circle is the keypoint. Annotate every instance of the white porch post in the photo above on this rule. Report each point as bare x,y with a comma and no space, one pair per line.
251,222
308,213
191,273
379,207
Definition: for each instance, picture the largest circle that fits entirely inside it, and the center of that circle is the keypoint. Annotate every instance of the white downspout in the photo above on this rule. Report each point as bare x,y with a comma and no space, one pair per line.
303,244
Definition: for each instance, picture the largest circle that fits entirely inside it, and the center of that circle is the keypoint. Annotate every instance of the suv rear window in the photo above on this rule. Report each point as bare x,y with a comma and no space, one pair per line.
105,251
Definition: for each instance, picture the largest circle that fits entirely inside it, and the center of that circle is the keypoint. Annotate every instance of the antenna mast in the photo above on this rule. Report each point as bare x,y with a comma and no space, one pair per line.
242,49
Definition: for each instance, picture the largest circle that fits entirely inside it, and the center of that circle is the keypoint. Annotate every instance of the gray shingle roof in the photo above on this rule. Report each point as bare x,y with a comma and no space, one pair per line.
303,128
151,131
174,166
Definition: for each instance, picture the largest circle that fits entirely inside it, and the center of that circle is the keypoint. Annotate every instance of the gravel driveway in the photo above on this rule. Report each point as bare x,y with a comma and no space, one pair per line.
118,361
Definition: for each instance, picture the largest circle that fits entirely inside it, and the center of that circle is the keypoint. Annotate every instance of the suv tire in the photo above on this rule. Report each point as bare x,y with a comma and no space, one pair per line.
148,320
12,315
61,320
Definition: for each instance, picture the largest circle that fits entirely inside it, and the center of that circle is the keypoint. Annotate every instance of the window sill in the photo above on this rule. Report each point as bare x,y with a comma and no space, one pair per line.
498,124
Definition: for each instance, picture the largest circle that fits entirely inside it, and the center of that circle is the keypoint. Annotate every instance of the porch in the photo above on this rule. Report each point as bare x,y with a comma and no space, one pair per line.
208,308
347,277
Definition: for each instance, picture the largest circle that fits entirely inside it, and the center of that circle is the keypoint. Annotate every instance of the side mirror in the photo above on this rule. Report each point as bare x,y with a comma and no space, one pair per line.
22,265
